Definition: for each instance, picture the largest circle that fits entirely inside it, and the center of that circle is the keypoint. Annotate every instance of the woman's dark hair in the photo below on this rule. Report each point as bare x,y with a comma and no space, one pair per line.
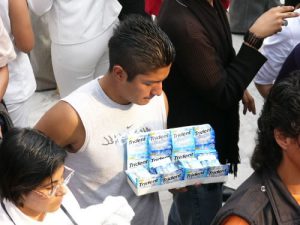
27,157
281,111
140,47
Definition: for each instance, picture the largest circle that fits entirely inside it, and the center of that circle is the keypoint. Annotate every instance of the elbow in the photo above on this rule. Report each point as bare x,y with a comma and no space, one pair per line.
26,46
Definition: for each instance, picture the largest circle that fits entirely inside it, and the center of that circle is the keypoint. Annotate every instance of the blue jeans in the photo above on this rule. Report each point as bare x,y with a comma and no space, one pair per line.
197,206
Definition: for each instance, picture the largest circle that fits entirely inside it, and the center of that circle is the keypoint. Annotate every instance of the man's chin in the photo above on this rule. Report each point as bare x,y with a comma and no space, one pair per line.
145,101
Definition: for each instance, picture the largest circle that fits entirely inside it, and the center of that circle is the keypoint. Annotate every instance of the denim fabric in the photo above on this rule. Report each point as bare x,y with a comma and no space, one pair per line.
197,206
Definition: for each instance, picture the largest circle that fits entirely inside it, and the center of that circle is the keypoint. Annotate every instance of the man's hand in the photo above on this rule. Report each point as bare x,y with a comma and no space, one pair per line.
248,102
272,21
183,189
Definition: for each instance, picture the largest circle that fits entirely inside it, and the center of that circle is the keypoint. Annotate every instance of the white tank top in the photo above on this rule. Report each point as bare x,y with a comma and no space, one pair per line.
100,163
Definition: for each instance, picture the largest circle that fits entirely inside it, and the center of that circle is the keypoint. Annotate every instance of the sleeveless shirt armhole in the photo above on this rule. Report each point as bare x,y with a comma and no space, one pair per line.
163,110
85,124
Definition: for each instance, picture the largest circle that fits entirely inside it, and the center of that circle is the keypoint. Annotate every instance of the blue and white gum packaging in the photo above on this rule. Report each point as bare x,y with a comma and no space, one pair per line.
137,154
183,143
204,138
159,149
173,158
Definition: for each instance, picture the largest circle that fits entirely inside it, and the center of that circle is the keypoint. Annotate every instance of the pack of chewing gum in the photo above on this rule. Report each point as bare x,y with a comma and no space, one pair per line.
173,158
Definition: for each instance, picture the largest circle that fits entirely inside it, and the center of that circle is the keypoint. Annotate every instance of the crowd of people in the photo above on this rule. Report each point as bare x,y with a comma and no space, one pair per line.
119,73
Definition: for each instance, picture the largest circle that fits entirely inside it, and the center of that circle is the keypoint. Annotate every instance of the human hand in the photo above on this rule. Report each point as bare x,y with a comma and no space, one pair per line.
248,102
183,189
272,21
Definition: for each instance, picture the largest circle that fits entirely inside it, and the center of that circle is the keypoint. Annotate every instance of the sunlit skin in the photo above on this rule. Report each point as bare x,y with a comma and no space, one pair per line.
289,168
139,91
37,203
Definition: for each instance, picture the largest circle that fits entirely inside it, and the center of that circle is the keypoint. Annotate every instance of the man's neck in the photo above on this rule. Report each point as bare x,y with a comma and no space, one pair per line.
290,176
111,89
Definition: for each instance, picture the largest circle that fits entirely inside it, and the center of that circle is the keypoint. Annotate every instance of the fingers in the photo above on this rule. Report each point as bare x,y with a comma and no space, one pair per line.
249,103
289,15
272,21
245,109
176,190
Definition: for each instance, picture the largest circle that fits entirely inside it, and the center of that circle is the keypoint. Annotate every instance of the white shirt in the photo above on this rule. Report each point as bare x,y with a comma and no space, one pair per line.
7,52
76,21
276,48
21,83
113,211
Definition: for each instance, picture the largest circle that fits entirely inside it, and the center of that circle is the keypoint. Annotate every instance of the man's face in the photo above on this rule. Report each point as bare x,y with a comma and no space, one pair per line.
145,86
293,152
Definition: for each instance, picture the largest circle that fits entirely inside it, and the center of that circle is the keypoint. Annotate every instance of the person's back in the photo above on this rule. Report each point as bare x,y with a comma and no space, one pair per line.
78,46
93,121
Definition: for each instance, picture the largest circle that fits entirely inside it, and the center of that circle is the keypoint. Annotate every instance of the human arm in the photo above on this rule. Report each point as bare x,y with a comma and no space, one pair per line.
21,25
263,89
40,7
221,81
3,80
275,48
62,124
235,220
203,57
7,54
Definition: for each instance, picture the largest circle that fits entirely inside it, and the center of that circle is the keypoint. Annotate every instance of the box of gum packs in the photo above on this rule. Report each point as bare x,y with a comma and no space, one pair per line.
173,158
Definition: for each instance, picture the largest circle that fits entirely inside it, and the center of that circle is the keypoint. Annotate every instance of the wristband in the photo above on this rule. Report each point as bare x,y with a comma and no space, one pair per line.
253,40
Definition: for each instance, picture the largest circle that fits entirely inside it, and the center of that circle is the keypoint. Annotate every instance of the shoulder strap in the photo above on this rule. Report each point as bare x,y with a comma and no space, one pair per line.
68,214
5,210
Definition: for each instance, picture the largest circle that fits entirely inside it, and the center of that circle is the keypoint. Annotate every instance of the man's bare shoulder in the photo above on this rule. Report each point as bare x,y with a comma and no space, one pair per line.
63,125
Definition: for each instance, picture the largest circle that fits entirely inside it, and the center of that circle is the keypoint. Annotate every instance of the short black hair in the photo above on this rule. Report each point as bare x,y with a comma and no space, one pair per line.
281,111
27,157
140,47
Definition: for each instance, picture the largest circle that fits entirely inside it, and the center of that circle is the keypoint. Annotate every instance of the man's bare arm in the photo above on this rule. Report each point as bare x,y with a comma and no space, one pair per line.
63,125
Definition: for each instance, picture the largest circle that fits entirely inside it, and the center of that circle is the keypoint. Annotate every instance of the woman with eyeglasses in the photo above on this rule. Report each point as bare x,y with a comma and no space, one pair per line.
33,189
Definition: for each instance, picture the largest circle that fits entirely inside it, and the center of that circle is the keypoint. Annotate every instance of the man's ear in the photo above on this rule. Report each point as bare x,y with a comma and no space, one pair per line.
119,73
281,139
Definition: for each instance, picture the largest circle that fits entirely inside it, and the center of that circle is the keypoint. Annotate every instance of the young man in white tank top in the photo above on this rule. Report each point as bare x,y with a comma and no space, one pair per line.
93,119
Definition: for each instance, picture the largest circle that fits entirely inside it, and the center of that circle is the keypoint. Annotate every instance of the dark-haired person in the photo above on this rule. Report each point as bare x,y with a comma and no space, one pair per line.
206,83
271,195
129,98
33,189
